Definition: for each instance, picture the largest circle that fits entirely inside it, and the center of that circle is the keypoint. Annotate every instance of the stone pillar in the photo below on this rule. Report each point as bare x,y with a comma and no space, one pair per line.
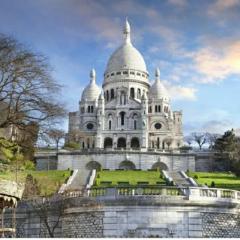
128,141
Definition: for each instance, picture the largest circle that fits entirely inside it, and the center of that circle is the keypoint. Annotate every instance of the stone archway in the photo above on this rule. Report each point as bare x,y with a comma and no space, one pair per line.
127,165
93,165
121,143
135,143
108,142
160,165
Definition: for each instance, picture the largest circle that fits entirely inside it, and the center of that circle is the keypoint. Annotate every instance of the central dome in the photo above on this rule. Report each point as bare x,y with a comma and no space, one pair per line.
126,56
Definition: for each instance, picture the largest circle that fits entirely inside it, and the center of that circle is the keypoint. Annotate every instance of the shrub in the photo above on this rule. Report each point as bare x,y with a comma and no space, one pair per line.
29,165
72,145
195,176
106,182
185,148
212,184
142,183
170,183
123,183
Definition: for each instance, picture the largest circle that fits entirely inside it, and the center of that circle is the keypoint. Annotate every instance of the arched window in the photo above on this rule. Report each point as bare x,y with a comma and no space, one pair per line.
139,93
132,95
122,115
110,125
123,98
88,143
93,165
156,108
135,143
159,108
150,109
158,143
93,144
121,143
108,142
83,145
107,95
135,124
127,165
112,93
89,109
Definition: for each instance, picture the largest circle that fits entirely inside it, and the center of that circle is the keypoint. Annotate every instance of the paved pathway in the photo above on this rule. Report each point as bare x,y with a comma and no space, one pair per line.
80,180
179,179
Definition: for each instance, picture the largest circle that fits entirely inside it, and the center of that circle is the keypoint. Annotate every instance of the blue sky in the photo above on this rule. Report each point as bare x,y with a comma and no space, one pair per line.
195,43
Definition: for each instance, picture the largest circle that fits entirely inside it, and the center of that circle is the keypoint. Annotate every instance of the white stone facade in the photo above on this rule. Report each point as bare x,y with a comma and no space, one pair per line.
129,113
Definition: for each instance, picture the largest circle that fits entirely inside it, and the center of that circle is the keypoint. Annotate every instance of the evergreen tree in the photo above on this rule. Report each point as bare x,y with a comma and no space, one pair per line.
229,147
226,143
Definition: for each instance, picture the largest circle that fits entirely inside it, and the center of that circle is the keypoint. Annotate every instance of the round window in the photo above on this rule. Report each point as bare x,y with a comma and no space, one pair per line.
90,126
157,125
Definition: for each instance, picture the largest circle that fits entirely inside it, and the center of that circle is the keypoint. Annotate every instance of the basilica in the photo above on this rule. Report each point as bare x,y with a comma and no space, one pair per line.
128,112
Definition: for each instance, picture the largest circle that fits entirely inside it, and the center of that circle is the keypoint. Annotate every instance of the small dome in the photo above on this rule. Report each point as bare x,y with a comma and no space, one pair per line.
91,91
126,56
157,90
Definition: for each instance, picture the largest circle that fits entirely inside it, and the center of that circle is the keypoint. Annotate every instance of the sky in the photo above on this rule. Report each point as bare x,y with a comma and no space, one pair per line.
196,45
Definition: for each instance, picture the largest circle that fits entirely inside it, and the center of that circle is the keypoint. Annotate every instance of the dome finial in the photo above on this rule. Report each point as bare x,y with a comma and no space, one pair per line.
127,31
93,75
157,73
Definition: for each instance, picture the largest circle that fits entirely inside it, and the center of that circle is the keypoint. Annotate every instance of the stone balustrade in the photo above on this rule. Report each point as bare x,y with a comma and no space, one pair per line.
191,193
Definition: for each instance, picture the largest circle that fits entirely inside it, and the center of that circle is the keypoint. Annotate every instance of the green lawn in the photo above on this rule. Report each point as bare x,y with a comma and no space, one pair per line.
222,180
48,181
130,176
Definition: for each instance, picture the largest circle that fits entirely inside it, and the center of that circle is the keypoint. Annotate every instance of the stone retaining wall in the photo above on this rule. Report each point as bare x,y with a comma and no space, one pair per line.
170,217
112,160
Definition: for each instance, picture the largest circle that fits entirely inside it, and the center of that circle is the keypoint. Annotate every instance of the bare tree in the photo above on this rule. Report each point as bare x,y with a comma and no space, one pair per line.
28,93
188,140
50,211
211,139
199,138
56,135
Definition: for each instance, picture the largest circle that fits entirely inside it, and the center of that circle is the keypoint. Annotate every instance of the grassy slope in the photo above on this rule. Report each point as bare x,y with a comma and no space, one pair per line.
49,181
129,176
222,180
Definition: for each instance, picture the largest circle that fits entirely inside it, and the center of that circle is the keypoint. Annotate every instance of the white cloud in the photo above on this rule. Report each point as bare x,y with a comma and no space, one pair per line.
178,92
216,126
210,126
221,5
218,63
178,3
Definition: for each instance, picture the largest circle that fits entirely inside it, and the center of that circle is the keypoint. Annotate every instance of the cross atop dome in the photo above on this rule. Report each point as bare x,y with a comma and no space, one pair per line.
92,75
157,74
127,32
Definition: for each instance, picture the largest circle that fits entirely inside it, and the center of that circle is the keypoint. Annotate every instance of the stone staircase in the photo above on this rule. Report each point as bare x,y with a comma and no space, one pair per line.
79,181
179,179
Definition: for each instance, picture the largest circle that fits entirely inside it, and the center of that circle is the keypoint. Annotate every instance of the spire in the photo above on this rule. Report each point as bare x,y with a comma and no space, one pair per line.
157,74
127,31
92,76
101,96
